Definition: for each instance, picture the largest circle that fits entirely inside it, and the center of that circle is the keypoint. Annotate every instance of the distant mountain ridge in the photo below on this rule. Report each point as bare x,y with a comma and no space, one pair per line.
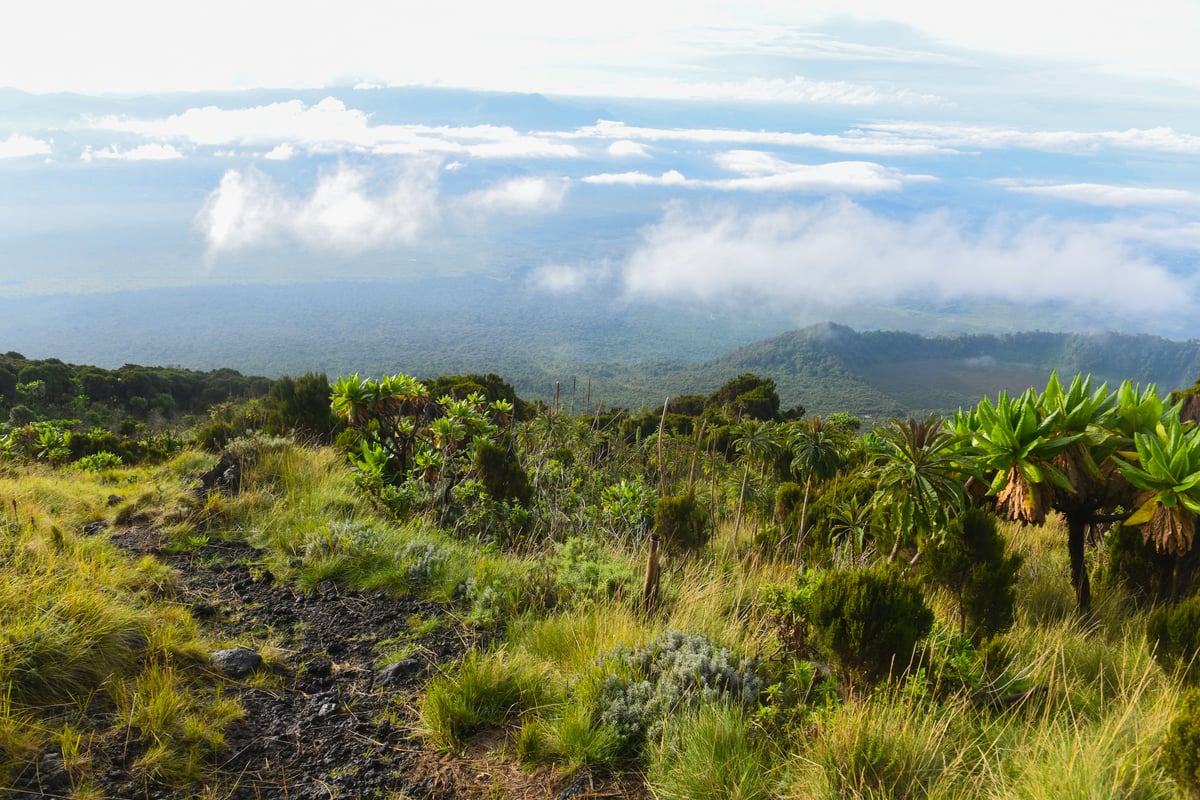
830,367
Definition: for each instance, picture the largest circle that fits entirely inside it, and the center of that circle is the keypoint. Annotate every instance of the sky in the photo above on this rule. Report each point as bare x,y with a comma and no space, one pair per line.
822,160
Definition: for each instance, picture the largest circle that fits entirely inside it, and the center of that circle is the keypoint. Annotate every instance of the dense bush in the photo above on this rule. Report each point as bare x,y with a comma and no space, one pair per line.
1174,631
681,521
970,560
1181,750
870,619
1133,565
501,473
587,572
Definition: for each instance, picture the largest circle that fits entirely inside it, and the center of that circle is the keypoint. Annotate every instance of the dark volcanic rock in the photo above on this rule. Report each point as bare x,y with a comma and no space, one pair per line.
236,663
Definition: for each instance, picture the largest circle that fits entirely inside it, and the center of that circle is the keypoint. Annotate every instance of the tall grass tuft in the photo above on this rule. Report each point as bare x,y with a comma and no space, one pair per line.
711,753
486,690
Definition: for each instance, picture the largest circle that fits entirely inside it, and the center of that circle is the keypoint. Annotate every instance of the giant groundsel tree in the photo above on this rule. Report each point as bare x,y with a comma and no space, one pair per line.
1095,456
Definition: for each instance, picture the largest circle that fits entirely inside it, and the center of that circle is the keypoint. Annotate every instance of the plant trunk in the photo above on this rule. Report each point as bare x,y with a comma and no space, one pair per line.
803,518
1076,538
737,525
650,584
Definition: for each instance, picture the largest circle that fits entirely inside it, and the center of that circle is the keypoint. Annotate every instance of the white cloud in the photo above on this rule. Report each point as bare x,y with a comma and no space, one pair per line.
519,196
668,178
779,90
766,172
562,279
18,145
341,214
839,255
329,127
143,152
624,148
245,210
280,152
1098,194
763,172
1162,139
858,142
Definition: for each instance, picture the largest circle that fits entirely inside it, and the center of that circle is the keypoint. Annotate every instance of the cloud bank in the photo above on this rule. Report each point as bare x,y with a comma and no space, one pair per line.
331,127
839,255
1098,194
763,172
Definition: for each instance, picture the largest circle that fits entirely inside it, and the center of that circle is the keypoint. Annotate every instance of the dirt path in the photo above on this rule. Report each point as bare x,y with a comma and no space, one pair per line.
323,719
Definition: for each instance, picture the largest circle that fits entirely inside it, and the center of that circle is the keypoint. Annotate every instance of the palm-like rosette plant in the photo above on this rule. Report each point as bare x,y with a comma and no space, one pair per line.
1017,444
920,474
1090,414
1167,473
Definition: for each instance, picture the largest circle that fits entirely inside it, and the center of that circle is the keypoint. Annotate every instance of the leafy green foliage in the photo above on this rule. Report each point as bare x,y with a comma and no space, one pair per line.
587,573
1174,631
970,560
919,475
1181,749
407,438
1168,474
870,619
682,521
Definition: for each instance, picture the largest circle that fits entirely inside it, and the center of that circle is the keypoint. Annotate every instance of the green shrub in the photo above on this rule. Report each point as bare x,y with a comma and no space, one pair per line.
681,521
99,461
1181,750
588,573
870,619
215,436
476,514
790,608
1174,631
789,497
501,473
969,560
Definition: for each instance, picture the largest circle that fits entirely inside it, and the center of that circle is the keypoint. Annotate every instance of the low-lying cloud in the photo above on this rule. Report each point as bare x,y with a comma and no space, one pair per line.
345,212
949,135
839,255
143,152
519,196
763,172
1098,194
18,145
331,127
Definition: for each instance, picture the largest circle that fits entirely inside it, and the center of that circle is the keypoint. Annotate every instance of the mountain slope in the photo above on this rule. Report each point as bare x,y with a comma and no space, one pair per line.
830,367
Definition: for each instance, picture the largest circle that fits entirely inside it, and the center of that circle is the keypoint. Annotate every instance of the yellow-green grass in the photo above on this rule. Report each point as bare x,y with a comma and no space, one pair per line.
82,625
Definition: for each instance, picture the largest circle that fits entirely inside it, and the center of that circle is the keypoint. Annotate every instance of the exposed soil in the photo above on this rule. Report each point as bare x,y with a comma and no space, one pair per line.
324,715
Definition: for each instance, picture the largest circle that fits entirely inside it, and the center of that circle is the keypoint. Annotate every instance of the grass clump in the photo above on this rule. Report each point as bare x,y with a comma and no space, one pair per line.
83,626
486,690
711,753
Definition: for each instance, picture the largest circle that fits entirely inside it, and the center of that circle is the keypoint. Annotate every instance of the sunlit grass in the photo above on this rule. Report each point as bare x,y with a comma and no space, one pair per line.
82,624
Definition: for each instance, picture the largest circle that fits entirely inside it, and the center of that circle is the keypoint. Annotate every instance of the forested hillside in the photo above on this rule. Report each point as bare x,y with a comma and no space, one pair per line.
829,368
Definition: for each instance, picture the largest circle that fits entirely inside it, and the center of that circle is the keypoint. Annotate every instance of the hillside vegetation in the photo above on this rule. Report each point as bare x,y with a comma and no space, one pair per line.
726,597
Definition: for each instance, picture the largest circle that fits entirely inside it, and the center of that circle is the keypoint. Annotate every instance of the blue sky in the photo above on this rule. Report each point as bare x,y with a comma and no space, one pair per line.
817,162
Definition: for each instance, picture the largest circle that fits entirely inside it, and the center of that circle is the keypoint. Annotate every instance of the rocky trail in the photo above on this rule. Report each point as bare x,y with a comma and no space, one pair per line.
323,719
